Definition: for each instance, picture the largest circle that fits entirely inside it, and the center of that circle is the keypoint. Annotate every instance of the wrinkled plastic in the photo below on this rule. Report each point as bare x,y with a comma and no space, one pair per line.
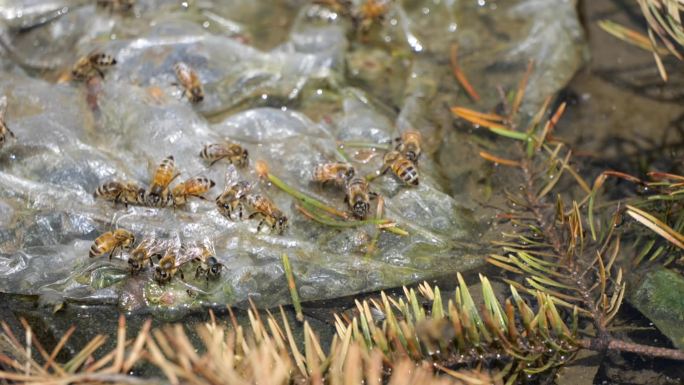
290,106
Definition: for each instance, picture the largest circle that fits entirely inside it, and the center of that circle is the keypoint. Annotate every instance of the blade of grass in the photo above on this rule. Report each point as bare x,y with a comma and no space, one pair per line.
460,76
656,225
497,160
293,288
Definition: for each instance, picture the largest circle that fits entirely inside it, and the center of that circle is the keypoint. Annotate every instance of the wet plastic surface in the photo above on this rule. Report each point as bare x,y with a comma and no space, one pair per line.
289,105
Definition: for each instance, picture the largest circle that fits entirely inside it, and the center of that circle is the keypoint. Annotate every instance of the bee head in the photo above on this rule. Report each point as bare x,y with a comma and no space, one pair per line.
140,194
349,173
161,275
215,269
282,222
134,264
360,209
154,199
197,94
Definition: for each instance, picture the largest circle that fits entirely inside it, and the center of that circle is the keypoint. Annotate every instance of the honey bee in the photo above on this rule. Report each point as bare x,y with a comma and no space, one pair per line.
121,192
263,207
193,187
358,197
231,199
167,268
403,168
5,132
190,82
338,173
409,145
110,241
92,64
144,253
370,12
227,150
116,5
342,7
210,268
165,173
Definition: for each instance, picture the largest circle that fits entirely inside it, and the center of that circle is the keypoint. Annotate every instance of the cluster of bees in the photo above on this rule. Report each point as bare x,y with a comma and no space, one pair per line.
96,63
160,193
171,258
239,200
232,203
402,162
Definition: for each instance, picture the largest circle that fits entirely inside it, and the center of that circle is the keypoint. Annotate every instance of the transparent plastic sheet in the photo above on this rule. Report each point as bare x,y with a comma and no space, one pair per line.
290,106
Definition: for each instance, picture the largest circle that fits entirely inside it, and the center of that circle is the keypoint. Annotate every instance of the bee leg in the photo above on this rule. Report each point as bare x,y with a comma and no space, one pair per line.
180,272
216,160
99,72
373,194
261,223
112,252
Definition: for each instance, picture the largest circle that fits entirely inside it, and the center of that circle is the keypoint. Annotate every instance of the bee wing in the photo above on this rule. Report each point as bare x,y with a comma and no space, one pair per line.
209,246
231,176
186,256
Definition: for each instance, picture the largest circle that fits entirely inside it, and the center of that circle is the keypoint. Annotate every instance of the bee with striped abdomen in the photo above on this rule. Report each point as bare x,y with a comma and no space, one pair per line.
358,197
337,173
261,206
410,145
193,187
158,194
144,253
401,167
231,200
168,267
369,13
190,82
92,64
230,151
121,192
209,266
110,241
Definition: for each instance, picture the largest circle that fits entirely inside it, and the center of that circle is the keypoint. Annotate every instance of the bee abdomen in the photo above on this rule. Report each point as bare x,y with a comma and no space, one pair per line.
407,172
103,60
95,250
108,189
